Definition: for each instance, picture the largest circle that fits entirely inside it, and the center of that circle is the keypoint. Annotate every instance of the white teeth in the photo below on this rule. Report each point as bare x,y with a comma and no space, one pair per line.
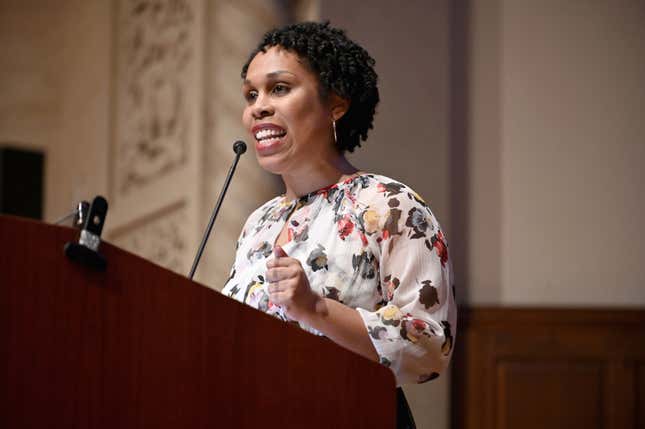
268,141
268,132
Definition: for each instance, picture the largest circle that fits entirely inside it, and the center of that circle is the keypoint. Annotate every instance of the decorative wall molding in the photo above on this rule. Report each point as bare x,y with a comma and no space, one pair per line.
177,111
154,169
155,55
160,238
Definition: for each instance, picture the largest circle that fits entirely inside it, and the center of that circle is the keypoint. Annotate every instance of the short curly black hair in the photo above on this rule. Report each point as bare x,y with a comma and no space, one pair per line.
342,66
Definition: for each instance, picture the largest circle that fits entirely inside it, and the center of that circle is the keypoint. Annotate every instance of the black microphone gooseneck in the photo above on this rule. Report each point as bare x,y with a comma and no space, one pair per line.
239,147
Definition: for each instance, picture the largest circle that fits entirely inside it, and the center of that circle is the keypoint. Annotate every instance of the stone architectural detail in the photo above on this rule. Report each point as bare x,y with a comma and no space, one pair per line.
160,239
158,60
177,112
155,44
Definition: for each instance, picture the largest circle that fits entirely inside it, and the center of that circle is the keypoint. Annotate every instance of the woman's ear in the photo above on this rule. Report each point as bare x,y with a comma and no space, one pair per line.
339,106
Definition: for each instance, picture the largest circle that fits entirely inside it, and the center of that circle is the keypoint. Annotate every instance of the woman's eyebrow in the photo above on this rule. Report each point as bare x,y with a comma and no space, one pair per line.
277,73
272,75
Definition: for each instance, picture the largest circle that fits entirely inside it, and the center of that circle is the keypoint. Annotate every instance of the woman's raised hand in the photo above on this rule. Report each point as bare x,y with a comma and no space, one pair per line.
289,287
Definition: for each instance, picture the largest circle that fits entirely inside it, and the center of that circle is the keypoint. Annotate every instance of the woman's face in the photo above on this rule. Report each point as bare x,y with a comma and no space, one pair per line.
284,114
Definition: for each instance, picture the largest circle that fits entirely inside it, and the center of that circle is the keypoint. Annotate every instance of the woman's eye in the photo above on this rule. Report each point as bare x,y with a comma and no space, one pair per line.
280,89
250,95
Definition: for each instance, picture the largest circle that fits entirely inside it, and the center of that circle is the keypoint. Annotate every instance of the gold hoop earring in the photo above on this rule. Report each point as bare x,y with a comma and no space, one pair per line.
333,124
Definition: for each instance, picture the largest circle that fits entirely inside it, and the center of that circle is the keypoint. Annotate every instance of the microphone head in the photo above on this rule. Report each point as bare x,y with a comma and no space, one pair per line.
239,147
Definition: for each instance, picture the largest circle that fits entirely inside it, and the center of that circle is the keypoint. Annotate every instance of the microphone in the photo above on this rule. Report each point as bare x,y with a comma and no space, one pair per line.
239,147
86,251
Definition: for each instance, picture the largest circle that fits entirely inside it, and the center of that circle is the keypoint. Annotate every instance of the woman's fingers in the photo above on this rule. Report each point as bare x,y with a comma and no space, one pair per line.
281,273
280,258
277,298
274,287
279,252
281,262
282,298
288,285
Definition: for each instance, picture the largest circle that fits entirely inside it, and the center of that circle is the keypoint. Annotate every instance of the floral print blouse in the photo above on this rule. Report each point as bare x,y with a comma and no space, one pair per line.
373,244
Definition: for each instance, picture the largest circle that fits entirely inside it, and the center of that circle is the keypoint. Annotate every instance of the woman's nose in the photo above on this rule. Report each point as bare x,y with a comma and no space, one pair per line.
262,108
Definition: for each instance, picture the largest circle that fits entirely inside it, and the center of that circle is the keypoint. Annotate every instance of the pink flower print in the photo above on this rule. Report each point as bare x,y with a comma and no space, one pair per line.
345,226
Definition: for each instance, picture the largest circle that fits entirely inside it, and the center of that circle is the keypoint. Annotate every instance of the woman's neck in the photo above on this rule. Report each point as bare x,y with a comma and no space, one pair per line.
313,177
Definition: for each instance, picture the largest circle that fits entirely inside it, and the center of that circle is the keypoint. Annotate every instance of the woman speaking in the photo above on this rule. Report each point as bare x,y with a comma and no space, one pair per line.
354,256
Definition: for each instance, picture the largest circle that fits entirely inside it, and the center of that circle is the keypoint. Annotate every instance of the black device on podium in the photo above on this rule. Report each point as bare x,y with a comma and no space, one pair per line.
86,251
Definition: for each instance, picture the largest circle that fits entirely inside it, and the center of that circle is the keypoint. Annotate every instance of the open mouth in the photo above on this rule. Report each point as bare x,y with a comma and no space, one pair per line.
268,136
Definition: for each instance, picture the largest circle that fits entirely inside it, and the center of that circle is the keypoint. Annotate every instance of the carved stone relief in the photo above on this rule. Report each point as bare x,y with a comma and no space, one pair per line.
177,112
160,239
154,57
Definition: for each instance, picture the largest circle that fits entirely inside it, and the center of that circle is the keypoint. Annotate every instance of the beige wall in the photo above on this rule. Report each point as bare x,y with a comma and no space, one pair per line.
573,151
29,81
476,148
55,85
555,149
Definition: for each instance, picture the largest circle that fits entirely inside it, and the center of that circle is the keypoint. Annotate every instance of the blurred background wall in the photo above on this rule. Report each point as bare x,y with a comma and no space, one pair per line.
519,121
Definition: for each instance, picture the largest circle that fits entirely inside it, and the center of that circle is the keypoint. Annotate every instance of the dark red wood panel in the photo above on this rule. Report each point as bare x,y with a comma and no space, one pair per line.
543,394
639,388
555,368
139,346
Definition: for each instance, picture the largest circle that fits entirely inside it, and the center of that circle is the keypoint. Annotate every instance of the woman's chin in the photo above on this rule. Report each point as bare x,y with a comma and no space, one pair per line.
274,164
275,159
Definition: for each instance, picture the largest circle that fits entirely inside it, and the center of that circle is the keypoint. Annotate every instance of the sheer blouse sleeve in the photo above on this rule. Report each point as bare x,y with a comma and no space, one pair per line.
414,327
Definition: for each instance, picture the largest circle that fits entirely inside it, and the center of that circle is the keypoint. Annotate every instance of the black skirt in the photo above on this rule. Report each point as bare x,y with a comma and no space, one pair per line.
404,419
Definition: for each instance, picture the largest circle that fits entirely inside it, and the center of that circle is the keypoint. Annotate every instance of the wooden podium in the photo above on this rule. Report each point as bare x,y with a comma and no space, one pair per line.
141,347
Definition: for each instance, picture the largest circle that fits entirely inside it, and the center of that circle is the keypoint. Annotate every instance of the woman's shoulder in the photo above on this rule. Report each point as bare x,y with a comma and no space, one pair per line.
383,183
378,189
391,208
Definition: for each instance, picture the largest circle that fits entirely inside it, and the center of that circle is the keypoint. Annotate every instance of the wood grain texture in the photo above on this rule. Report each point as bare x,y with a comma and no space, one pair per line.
639,387
139,346
555,368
